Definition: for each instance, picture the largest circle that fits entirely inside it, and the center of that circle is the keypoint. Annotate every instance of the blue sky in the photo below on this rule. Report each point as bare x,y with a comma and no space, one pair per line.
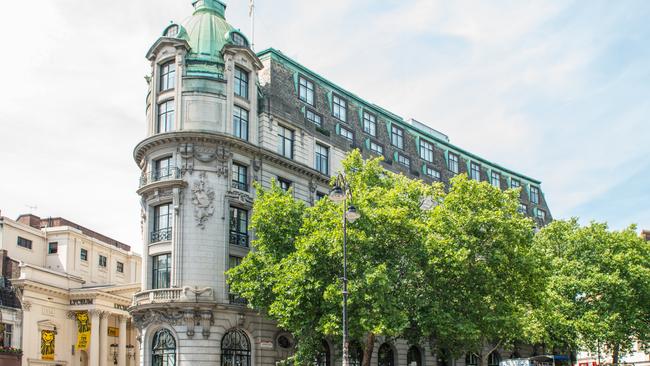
557,90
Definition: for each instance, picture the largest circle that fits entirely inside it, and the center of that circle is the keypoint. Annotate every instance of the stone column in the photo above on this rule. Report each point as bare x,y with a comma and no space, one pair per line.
103,339
94,337
121,358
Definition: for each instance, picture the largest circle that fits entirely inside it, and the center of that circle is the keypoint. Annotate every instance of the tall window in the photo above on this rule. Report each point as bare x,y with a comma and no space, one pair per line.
321,158
515,183
285,184
402,159
120,267
6,332
167,75
339,108
453,163
369,124
495,179
414,355
102,261
534,195
162,223
240,177
235,349
52,248
285,139
165,116
163,349
306,91
314,117
162,168
471,359
234,261
25,243
426,151
161,270
475,172
494,358
385,356
376,148
397,137
83,255
346,133
541,214
241,82
323,357
240,123
238,226
429,171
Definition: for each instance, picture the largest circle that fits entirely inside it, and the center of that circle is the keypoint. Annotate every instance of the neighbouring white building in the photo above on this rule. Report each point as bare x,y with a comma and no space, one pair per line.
73,286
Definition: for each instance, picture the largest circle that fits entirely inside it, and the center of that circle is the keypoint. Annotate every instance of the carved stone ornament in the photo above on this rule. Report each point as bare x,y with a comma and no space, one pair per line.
143,319
240,197
186,151
189,315
206,323
27,305
199,293
203,200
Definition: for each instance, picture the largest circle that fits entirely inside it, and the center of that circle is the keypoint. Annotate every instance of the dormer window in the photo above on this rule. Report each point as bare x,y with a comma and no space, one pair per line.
172,31
238,39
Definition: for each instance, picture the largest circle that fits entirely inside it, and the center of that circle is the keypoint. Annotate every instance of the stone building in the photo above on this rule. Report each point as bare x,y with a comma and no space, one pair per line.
70,283
219,117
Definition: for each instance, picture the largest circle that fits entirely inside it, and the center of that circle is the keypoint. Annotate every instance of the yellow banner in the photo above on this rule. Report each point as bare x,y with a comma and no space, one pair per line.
47,345
83,331
113,332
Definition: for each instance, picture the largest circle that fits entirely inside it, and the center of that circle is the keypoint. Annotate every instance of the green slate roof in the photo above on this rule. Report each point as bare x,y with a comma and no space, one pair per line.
207,30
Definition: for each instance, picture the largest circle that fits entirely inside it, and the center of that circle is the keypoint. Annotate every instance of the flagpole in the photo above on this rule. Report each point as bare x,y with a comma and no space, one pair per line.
251,14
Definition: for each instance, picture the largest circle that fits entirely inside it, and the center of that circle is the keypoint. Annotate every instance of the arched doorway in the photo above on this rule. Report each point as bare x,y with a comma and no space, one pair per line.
235,349
414,357
163,348
386,356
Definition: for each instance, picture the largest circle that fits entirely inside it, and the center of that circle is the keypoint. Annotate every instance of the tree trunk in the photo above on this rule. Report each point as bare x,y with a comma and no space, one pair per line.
367,350
615,354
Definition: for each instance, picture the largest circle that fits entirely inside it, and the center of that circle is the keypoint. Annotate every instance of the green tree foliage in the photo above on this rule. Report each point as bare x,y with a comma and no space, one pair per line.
463,272
483,278
598,289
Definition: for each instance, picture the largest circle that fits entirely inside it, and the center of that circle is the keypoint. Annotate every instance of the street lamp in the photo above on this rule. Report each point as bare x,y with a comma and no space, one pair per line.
341,193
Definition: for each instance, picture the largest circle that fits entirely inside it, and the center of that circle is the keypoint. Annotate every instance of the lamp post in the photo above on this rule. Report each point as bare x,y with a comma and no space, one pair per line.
341,193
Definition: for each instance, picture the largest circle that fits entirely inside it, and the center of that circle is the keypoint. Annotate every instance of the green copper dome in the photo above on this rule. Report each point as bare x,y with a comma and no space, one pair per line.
207,31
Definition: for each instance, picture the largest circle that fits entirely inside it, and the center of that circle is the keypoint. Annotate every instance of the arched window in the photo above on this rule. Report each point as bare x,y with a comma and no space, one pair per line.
163,349
494,358
356,354
471,359
414,357
386,356
323,357
235,349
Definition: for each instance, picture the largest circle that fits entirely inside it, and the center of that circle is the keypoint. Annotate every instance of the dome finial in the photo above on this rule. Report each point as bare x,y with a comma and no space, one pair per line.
216,6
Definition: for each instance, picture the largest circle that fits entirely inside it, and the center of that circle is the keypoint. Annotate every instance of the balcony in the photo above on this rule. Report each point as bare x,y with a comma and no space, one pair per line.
158,175
161,235
160,295
240,239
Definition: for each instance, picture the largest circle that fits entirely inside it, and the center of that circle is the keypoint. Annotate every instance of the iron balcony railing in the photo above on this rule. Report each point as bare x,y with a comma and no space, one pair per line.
240,239
157,175
161,234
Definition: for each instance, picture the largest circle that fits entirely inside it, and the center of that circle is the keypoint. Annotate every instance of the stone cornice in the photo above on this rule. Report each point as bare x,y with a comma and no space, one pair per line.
219,138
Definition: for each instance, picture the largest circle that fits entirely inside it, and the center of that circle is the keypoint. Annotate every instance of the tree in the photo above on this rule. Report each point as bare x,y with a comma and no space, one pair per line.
599,286
294,272
463,273
483,275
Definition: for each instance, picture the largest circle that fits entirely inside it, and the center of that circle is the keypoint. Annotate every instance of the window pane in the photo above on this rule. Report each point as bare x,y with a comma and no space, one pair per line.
426,151
167,76
165,116
397,137
241,82
240,123
285,140
339,108
322,159
306,91
369,124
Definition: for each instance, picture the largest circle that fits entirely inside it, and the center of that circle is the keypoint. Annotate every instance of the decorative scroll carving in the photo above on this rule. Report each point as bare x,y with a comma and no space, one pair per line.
206,322
151,316
223,157
205,154
188,315
186,151
198,292
257,163
240,197
203,200
27,305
